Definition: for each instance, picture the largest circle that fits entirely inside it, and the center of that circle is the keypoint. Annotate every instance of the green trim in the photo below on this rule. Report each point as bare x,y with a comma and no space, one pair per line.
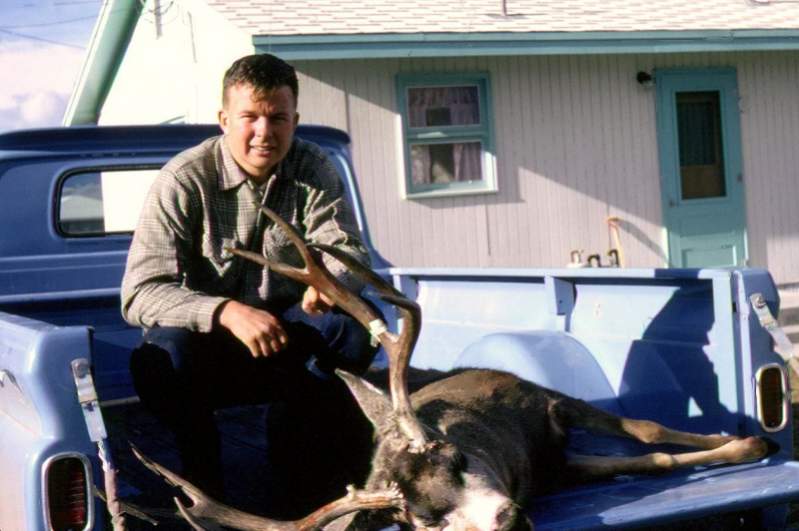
372,46
112,34
482,132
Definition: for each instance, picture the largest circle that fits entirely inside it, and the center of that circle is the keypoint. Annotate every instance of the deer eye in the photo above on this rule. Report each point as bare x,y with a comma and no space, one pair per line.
430,523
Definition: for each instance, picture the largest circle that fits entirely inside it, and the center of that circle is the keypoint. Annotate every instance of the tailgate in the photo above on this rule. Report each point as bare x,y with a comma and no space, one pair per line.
641,502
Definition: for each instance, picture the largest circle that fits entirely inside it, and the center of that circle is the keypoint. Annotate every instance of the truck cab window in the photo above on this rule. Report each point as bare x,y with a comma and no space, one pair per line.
97,202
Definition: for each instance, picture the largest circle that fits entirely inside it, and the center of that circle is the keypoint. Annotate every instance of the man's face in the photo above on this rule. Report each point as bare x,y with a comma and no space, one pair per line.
259,131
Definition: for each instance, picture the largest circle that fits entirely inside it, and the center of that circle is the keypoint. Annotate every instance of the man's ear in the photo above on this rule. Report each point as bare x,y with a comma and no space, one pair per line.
223,119
296,119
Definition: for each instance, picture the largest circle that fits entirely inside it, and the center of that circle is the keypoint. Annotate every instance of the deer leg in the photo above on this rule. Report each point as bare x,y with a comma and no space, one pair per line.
590,467
570,412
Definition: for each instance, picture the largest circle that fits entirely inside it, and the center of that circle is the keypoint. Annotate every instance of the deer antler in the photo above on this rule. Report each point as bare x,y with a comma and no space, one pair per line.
208,514
397,347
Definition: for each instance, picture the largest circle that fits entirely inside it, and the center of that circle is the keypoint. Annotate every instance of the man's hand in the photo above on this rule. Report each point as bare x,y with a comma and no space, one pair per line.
315,302
258,329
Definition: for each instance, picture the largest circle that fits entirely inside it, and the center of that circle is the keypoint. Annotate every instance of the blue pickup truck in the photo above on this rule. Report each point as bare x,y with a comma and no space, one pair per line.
683,347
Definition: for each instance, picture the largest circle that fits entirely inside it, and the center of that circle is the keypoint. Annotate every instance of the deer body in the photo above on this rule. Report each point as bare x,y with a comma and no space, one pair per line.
496,441
501,421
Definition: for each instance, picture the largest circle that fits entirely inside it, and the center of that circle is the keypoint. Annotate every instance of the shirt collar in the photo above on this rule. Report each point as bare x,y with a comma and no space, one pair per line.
229,175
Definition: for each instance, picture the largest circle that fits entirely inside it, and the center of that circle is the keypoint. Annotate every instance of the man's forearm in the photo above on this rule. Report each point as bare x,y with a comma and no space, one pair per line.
164,304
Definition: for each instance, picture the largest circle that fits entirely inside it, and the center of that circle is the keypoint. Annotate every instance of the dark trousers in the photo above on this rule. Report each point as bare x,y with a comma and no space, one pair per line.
183,376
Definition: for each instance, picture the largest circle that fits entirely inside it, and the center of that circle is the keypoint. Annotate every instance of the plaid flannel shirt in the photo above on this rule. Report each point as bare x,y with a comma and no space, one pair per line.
178,272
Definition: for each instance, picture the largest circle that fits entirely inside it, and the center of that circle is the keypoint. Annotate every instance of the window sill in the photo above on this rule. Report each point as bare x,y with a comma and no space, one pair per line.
449,192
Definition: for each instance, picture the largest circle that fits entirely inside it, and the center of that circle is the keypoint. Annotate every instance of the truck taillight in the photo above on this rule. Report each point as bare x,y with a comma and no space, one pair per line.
773,407
67,484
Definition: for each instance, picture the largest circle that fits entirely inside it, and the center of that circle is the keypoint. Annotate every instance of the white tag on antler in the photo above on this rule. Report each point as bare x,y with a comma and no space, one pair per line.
377,328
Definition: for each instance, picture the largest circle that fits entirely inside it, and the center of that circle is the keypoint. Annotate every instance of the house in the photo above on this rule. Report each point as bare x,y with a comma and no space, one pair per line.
509,132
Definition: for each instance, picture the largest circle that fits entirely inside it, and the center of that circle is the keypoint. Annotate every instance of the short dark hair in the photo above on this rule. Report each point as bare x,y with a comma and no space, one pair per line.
264,72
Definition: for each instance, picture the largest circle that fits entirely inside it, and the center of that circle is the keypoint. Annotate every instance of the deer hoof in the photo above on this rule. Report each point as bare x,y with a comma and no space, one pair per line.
750,449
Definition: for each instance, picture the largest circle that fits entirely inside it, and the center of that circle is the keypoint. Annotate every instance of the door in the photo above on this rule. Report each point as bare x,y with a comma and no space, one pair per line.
700,163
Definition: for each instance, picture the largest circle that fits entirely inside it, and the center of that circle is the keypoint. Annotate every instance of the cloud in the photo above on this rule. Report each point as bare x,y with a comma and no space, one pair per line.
41,108
37,91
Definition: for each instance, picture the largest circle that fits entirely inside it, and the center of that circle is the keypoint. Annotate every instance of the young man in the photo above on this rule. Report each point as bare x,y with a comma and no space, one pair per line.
219,330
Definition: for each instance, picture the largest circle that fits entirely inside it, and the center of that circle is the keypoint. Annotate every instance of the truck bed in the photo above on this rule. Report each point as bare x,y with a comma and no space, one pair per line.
243,447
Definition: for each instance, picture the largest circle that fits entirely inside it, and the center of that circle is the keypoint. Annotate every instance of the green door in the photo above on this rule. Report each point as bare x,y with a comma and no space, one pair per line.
699,140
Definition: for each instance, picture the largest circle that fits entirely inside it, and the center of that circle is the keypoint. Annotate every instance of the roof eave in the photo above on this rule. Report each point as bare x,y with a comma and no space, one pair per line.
112,33
376,46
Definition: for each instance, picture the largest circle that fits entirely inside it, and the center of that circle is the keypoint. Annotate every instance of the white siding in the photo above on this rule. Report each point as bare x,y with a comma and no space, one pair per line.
176,76
576,143
769,87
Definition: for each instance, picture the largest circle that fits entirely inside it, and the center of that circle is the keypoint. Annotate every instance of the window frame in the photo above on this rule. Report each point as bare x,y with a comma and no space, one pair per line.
482,132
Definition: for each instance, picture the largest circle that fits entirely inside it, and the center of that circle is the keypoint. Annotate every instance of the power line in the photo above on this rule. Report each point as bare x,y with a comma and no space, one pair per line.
75,2
53,23
34,38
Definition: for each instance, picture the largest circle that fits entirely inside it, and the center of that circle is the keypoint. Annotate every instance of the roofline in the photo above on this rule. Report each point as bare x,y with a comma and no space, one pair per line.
117,22
377,46
107,46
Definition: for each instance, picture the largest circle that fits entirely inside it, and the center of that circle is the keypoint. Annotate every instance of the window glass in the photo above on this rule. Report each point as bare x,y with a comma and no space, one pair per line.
701,145
443,106
102,202
446,163
447,134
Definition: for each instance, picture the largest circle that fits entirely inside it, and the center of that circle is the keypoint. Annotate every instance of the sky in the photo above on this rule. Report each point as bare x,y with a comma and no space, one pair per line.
42,45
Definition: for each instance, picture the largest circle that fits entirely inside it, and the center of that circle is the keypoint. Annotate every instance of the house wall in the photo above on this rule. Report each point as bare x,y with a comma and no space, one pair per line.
576,143
173,68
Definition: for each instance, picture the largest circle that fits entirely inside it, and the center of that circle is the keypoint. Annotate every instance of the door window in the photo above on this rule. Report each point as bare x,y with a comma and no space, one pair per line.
700,145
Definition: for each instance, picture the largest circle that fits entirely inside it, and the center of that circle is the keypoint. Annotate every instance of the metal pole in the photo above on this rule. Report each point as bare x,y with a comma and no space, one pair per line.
87,396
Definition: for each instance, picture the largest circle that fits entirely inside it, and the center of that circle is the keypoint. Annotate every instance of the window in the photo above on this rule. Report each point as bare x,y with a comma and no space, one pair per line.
447,134
701,145
93,202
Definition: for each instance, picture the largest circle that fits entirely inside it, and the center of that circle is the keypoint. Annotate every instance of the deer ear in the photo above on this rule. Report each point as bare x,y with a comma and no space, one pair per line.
374,403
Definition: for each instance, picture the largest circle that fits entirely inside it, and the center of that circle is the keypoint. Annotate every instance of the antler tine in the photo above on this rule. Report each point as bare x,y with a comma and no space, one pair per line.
354,500
410,311
359,270
313,274
398,348
208,514
399,351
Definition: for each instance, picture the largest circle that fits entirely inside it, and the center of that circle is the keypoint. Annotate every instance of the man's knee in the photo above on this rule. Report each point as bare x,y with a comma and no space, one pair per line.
156,363
177,343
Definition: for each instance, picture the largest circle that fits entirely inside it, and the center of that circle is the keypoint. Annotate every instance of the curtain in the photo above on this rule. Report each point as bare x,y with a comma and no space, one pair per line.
441,107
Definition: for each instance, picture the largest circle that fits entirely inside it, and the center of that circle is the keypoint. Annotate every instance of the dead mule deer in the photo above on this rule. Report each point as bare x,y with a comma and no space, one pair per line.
468,451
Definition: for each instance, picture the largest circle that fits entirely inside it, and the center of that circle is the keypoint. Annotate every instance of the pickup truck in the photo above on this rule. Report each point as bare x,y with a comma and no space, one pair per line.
682,347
